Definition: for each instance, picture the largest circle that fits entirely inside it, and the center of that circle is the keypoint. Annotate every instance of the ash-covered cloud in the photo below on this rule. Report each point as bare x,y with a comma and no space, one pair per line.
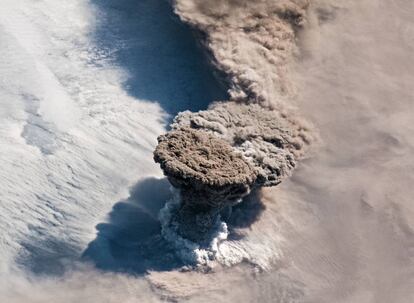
81,284
252,43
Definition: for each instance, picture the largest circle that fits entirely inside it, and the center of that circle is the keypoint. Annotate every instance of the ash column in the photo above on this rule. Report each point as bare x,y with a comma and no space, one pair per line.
210,175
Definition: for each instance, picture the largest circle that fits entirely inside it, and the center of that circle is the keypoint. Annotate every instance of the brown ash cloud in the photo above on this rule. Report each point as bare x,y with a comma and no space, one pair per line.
252,44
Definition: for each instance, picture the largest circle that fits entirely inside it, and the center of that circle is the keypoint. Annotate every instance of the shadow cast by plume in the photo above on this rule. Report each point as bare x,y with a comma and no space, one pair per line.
160,54
247,212
131,240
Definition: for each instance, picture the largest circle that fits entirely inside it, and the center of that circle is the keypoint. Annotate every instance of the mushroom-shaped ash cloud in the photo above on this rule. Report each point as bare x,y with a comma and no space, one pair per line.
271,140
215,157
210,174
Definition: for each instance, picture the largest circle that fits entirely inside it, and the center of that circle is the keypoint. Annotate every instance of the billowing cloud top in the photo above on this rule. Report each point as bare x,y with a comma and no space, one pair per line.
251,43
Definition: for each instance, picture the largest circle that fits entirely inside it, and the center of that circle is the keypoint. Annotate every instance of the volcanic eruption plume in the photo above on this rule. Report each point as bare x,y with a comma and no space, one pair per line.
217,156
